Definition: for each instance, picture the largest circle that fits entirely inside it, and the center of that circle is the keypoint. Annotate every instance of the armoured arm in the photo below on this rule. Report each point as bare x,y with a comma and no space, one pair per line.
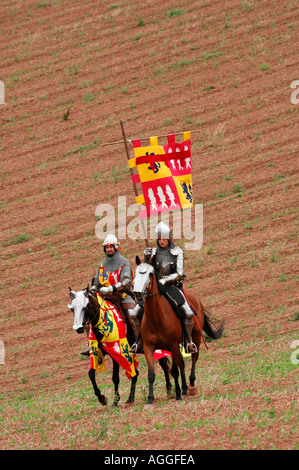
178,275
122,285
149,253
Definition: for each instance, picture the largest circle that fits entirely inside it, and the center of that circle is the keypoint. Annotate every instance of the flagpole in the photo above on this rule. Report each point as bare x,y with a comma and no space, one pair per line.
146,138
134,184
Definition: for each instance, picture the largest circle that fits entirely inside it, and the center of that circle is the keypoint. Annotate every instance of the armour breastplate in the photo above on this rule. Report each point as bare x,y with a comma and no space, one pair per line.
165,262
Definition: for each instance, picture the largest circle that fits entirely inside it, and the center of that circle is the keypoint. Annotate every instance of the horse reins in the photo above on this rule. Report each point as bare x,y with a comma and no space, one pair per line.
99,309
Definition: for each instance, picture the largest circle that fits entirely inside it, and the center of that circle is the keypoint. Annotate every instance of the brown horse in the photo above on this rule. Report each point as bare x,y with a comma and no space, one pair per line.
162,329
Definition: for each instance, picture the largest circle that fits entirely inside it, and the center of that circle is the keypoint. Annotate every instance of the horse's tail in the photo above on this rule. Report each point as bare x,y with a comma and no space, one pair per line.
209,327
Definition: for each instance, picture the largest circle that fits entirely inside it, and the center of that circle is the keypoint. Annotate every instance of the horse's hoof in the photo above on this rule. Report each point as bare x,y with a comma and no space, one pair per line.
130,401
103,401
148,406
178,402
192,390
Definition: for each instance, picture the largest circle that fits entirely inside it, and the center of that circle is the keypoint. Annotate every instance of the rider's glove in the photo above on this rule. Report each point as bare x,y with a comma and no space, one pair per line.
170,278
107,290
148,251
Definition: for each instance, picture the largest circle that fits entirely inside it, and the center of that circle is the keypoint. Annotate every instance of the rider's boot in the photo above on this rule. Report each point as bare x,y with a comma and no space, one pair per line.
188,322
136,316
85,351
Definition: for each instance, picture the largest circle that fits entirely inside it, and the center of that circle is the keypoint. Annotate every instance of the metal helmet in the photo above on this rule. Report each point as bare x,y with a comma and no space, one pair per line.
111,240
163,231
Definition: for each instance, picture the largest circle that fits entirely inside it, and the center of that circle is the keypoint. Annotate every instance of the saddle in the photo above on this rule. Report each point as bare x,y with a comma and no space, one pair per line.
174,296
115,299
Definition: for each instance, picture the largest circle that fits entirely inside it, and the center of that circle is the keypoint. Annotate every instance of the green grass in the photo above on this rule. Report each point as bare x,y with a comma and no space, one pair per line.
254,372
22,238
175,12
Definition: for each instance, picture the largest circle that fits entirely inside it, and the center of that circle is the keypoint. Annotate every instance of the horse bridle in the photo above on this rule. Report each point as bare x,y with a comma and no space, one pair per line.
98,310
145,294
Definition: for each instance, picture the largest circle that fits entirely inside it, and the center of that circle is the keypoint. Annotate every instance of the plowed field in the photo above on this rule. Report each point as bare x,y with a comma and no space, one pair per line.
72,71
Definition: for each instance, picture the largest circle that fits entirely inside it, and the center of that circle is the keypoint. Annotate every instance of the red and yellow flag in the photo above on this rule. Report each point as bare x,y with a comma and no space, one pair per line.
164,174
114,341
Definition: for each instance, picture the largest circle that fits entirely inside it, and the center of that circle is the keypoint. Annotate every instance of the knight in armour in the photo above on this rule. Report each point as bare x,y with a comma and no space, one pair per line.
168,262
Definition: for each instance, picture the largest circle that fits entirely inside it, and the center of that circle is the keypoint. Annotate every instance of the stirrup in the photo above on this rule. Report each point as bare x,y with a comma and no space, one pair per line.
193,348
133,349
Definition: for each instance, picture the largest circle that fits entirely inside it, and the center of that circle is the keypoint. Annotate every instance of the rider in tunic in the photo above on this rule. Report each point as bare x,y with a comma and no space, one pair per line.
168,262
114,274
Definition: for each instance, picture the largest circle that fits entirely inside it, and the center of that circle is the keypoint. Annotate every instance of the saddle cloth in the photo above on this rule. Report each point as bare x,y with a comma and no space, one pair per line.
113,328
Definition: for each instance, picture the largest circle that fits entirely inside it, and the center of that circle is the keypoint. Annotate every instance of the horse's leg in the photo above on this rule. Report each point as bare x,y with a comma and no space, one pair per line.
164,364
192,390
131,398
115,379
175,353
149,356
192,387
183,375
92,375
175,375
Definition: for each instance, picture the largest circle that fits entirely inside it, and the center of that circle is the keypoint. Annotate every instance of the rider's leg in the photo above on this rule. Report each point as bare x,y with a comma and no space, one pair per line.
130,327
188,321
85,351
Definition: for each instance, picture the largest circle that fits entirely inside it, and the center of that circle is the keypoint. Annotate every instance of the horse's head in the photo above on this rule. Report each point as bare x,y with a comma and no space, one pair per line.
79,303
142,278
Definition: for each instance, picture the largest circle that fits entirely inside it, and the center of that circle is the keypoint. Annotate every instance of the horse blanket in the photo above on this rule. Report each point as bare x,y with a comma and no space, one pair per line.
114,341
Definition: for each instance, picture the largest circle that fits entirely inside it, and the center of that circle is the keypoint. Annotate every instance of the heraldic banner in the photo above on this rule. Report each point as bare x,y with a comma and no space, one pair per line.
164,174
114,341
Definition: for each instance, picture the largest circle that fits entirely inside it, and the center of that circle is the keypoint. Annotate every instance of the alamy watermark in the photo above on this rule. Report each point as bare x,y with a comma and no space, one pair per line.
2,93
294,99
2,353
186,224
295,354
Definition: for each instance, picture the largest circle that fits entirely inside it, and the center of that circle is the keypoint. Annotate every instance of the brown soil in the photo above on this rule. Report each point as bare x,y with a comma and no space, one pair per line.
223,69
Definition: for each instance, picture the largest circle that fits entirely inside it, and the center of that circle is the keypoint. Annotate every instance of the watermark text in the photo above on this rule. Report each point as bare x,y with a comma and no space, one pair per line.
2,92
2,353
294,99
125,222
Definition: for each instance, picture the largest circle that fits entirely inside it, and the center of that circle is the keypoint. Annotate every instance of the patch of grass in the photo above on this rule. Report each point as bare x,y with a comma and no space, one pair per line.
264,67
50,231
140,22
236,188
175,12
22,238
82,148
88,97
43,4
295,317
